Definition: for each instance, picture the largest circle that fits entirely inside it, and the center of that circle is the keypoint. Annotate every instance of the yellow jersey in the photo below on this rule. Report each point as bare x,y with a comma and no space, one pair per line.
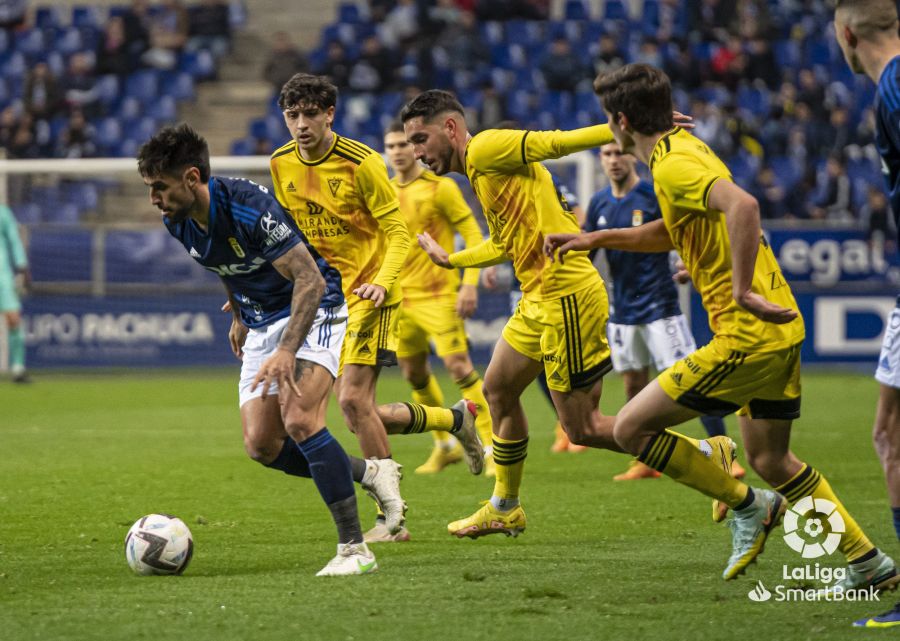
684,170
434,204
522,206
346,207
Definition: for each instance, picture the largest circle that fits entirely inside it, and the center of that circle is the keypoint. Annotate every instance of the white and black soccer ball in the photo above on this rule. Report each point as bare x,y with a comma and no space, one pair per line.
159,544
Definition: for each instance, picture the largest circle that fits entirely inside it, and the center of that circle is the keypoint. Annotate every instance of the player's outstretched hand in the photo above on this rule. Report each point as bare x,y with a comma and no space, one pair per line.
562,244
278,368
489,277
236,336
436,253
681,275
683,120
466,301
374,293
766,310
226,307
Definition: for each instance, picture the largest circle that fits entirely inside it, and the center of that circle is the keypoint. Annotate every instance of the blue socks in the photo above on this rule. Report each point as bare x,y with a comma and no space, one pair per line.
291,461
896,511
714,425
329,466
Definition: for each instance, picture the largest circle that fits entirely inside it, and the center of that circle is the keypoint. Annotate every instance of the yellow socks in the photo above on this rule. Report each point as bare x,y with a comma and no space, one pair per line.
431,396
510,459
470,387
675,456
809,482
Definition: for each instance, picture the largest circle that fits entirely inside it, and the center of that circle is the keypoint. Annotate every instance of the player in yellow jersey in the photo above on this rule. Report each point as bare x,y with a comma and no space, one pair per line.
560,323
752,364
338,192
435,302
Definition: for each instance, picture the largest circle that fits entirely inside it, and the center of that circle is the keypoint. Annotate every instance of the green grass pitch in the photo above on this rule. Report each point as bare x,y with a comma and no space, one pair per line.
83,456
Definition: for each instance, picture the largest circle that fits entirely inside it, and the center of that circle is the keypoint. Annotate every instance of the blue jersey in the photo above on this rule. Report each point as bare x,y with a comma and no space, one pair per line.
643,290
248,230
887,130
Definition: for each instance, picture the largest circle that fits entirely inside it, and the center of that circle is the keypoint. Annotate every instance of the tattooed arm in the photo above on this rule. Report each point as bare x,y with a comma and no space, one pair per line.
298,266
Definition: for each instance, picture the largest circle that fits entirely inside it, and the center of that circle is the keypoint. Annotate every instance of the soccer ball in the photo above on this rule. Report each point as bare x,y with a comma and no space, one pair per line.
159,544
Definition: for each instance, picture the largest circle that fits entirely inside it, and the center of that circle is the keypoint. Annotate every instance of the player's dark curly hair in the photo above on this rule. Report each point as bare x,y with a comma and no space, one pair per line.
642,92
307,89
173,149
429,104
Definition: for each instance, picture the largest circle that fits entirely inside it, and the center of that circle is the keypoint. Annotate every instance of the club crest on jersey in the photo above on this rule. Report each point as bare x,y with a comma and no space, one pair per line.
334,184
236,246
637,218
314,208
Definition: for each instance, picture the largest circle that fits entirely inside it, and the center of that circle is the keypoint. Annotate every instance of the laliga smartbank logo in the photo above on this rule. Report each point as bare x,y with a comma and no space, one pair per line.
813,528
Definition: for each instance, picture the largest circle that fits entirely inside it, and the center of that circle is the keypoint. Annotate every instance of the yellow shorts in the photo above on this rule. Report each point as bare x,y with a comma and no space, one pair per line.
371,337
717,380
435,319
568,334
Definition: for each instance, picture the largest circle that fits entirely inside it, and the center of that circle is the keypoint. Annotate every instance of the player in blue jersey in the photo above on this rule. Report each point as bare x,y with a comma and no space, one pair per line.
289,317
646,326
13,276
866,31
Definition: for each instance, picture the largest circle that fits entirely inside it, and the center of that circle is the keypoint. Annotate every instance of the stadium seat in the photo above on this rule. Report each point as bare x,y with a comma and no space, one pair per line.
47,18
30,42
615,10
108,134
27,213
143,86
69,41
178,84
241,147
200,64
163,109
87,16
108,89
575,10
348,13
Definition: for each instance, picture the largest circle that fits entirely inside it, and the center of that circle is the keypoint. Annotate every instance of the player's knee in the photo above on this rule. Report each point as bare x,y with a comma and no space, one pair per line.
624,433
354,403
495,398
459,366
301,426
261,450
769,465
577,431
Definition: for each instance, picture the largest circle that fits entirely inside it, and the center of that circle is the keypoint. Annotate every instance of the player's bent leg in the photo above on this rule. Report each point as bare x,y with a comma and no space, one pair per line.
357,401
886,438
471,387
507,376
15,338
265,439
580,417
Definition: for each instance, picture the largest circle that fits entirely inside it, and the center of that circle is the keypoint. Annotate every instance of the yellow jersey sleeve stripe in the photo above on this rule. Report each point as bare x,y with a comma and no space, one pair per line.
707,189
284,150
663,146
353,147
355,160
524,161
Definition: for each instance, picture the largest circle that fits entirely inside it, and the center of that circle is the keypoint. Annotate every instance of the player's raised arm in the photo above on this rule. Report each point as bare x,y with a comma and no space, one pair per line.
649,238
744,233
461,218
298,266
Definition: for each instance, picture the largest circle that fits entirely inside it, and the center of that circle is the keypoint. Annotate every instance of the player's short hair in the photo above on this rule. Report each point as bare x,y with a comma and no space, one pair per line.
642,92
172,150
307,89
396,127
429,104
868,18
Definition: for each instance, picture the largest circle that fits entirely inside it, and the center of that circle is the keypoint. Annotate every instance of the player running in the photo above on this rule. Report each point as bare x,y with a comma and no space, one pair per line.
338,192
288,325
752,364
646,326
866,31
560,323
434,301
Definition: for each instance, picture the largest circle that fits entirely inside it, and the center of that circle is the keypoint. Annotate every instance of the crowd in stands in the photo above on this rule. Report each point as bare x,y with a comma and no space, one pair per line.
84,82
764,80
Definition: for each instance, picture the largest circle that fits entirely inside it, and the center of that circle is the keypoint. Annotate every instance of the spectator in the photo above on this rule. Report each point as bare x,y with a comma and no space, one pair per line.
77,139
608,57
877,220
462,46
137,27
401,25
79,85
774,132
729,63
831,200
493,106
649,53
285,59
209,28
770,195
712,18
561,68
12,14
337,65
838,134
379,9
373,70
24,143
682,68
42,96
9,123
168,35
761,63
710,127
114,54
812,93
